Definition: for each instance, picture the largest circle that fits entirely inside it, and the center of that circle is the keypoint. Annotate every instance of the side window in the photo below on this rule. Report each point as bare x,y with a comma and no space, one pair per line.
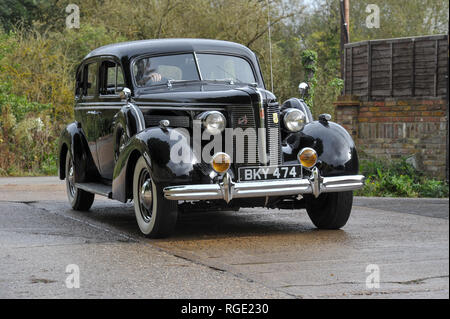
91,79
79,83
112,78
120,79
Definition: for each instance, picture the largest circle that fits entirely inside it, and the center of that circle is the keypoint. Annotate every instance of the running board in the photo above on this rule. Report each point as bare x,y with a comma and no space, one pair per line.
96,188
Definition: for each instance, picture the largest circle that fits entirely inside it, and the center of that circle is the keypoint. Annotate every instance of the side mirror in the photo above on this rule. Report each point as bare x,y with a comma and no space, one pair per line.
303,89
125,94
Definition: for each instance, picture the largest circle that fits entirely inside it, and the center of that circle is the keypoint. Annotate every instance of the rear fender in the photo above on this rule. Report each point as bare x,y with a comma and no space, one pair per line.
72,140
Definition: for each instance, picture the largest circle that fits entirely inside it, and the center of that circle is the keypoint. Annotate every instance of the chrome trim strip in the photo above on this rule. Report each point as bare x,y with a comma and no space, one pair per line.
160,104
86,108
108,106
198,66
141,120
182,108
202,104
262,133
101,103
228,190
113,106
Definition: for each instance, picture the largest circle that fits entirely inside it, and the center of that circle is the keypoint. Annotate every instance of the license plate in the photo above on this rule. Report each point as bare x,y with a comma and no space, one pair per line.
268,173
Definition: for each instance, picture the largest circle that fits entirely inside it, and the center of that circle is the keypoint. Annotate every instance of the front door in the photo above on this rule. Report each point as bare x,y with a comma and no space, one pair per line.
111,83
86,112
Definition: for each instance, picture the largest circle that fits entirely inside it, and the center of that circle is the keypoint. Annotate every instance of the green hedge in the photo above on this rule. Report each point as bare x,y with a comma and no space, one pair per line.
398,179
28,136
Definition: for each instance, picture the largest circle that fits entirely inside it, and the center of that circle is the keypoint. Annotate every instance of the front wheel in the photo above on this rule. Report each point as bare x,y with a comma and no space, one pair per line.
155,215
329,210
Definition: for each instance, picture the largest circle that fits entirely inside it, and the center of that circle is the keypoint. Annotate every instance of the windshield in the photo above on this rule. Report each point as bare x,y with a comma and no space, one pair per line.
151,71
225,67
158,70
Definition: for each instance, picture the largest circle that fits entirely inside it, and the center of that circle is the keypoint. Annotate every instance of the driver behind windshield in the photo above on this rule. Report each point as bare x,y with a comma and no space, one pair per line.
146,73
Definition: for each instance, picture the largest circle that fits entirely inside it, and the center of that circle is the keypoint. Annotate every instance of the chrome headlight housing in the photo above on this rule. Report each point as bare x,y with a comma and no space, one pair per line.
213,122
294,119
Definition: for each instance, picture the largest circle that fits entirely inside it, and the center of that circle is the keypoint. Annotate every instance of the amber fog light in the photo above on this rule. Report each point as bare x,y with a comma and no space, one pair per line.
307,157
221,162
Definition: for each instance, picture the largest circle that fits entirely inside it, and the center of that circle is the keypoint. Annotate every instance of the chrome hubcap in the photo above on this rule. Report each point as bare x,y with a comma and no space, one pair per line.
70,180
145,195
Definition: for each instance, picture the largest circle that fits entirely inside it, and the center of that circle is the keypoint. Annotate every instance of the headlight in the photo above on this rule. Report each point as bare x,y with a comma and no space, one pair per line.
214,122
294,119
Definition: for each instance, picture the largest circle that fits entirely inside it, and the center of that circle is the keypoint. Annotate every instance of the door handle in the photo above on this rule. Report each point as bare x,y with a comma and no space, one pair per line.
94,112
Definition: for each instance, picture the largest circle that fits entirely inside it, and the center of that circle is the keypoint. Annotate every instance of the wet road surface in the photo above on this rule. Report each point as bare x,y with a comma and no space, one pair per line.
253,253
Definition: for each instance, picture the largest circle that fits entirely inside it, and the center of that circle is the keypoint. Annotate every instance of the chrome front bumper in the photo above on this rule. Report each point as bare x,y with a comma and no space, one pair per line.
227,189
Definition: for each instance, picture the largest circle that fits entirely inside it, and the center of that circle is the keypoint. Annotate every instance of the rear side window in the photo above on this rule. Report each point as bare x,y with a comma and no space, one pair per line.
79,83
91,79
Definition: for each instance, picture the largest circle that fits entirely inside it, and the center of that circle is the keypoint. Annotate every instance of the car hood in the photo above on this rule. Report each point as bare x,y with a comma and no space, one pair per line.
197,94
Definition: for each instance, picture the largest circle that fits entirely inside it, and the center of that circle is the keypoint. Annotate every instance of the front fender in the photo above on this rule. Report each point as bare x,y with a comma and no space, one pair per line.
334,146
72,140
155,145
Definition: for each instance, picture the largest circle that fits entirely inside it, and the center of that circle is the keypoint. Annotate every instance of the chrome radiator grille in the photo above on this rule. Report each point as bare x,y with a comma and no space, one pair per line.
244,117
273,134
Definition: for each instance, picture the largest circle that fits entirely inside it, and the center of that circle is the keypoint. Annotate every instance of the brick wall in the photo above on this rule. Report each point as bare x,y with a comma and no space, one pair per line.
394,128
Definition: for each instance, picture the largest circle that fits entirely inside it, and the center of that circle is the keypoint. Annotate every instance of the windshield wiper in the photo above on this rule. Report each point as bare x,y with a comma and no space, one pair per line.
171,81
236,79
168,83
228,81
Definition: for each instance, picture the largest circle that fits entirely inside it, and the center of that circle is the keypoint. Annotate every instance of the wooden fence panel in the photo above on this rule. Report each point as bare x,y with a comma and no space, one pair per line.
404,67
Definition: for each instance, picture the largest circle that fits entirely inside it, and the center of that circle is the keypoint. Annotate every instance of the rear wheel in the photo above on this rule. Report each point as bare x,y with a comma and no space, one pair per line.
78,198
329,210
155,215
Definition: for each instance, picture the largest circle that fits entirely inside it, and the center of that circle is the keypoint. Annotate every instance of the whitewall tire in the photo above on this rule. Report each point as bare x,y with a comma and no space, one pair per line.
155,215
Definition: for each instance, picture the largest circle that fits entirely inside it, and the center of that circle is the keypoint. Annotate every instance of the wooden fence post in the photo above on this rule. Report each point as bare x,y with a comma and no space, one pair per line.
369,70
413,69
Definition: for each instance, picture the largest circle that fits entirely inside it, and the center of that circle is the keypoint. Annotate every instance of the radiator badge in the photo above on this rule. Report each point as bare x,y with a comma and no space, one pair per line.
243,120
275,118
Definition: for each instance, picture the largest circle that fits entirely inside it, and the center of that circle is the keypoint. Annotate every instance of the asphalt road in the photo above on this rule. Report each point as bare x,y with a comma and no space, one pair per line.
253,253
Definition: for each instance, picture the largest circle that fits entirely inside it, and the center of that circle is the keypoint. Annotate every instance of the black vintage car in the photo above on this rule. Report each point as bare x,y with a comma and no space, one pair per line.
187,124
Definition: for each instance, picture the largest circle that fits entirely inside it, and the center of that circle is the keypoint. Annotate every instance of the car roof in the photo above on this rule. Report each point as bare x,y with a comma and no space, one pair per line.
163,46
126,51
